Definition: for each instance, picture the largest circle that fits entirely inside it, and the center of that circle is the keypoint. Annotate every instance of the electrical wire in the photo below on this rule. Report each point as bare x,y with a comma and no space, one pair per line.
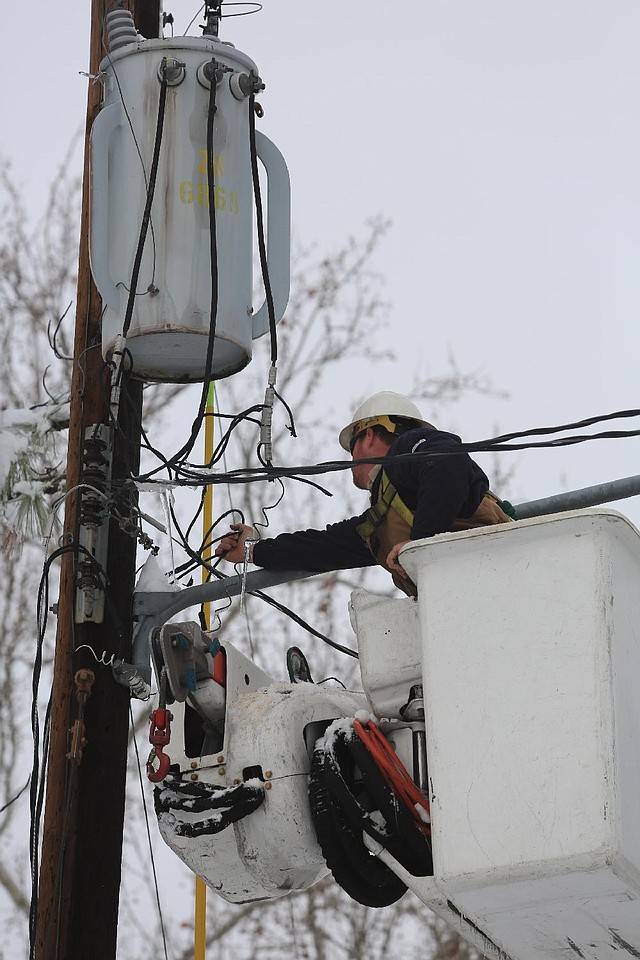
193,19
52,337
39,764
496,444
38,770
108,56
257,7
198,560
146,216
16,797
262,250
104,659
213,258
271,506
146,820
303,623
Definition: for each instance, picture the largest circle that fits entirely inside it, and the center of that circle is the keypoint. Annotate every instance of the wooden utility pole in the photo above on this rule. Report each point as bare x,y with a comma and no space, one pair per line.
84,813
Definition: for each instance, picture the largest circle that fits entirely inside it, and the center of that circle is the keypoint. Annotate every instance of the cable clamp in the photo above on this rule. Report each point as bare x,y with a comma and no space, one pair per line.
248,558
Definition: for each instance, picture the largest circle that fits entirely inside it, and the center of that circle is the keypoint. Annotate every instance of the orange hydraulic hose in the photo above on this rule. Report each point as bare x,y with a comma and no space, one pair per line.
395,773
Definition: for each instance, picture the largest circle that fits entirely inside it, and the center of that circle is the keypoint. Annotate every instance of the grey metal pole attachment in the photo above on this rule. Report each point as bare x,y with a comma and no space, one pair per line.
578,499
154,609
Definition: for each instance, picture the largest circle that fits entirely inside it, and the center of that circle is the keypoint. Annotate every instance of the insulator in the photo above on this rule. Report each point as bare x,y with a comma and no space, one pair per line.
121,29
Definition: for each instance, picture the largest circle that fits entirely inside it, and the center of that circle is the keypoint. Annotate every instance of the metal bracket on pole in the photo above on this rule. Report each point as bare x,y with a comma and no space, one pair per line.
95,482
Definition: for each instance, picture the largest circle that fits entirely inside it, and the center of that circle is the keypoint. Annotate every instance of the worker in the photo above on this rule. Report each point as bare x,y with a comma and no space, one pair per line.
410,498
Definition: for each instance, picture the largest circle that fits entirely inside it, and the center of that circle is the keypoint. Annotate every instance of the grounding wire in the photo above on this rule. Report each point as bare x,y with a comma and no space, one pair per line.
71,774
146,820
39,766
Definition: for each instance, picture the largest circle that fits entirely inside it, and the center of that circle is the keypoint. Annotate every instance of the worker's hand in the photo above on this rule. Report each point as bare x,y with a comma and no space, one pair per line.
392,559
231,547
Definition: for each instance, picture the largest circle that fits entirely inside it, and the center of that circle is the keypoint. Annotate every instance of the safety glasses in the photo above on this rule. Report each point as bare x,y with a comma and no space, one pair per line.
354,440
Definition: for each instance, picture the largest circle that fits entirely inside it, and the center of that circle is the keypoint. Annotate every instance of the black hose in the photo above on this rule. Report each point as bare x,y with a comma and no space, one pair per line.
233,804
365,878
363,805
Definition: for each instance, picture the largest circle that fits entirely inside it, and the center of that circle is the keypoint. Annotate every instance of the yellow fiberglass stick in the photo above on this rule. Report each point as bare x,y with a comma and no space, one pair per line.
200,917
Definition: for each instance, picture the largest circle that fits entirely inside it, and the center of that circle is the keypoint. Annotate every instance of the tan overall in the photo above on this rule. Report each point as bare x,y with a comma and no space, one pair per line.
395,527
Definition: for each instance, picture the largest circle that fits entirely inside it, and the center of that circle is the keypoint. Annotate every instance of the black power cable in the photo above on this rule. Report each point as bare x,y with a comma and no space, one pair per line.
39,766
38,770
497,444
198,560
213,256
146,216
262,250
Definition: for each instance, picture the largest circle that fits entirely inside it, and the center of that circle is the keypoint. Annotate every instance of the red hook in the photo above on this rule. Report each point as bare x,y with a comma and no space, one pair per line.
159,736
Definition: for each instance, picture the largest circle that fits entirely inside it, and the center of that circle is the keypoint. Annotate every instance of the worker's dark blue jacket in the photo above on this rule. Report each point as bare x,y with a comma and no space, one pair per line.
438,488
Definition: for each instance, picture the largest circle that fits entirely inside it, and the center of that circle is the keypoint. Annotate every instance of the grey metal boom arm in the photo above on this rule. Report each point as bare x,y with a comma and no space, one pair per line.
578,499
154,609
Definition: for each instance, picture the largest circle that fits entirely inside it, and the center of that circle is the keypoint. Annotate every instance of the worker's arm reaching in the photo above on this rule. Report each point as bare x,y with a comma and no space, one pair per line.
338,547
420,484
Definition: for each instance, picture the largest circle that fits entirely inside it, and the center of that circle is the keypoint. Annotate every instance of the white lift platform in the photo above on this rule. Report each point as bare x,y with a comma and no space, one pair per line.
526,638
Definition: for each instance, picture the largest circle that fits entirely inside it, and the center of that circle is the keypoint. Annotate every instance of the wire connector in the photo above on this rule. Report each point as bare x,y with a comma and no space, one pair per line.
267,415
117,357
248,558
129,676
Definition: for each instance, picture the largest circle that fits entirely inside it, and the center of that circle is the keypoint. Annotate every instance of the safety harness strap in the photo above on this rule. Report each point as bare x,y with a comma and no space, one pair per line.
390,498
375,514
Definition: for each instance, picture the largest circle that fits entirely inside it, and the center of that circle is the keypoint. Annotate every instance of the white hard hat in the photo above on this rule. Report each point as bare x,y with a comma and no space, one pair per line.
377,410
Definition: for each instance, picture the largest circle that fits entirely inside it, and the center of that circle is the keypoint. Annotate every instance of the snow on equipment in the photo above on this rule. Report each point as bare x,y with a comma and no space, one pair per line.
491,765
